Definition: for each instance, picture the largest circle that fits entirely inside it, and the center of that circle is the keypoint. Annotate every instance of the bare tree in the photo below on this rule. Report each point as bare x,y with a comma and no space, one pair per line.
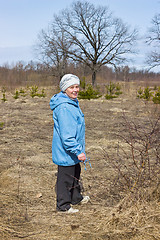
53,50
92,35
153,39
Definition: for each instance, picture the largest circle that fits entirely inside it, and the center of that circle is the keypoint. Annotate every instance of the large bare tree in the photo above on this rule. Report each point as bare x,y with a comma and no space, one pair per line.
92,36
153,39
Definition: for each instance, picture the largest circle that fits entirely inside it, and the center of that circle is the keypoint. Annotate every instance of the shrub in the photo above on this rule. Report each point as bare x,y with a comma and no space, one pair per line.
156,98
90,93
4,95
113,90
145,94
33,91
137,161
16,96
140,93
22,92
42,94
118,87
110,88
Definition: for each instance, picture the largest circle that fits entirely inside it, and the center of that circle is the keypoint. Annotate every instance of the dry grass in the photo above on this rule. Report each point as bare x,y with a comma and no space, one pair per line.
28,176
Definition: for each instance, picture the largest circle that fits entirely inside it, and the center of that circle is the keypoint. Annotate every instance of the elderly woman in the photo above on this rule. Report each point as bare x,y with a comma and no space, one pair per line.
68,145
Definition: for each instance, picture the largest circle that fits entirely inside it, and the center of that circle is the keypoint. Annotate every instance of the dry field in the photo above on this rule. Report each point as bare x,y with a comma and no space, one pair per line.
28,176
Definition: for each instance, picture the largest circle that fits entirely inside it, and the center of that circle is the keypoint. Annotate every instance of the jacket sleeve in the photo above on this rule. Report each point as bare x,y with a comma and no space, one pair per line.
67,122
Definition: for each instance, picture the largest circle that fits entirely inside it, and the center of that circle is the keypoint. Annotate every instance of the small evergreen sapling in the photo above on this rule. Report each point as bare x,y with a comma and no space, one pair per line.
90,93
4,95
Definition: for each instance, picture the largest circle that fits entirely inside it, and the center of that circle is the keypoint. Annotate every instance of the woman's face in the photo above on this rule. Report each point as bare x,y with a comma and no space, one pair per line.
72,91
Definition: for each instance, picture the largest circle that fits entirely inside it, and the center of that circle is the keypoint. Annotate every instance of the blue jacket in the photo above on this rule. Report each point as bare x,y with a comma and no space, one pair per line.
69,130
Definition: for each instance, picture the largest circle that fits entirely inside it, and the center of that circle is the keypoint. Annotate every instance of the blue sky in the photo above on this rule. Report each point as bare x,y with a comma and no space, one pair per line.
22,20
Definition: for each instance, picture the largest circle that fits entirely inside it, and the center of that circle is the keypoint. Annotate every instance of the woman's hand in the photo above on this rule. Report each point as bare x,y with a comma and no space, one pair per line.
82,157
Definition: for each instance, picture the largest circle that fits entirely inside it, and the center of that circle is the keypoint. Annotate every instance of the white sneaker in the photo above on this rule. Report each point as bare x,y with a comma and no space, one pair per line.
72,210
85,200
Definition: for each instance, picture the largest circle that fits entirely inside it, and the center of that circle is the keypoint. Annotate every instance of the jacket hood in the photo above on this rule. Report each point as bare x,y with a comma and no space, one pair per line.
61,98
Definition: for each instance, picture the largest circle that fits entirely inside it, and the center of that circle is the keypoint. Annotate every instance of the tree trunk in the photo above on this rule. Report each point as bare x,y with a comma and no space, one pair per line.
94,78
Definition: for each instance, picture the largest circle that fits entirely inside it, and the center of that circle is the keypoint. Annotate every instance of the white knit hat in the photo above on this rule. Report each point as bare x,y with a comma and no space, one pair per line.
68,80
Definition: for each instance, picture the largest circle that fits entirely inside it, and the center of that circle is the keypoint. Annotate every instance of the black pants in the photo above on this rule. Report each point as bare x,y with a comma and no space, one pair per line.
68,188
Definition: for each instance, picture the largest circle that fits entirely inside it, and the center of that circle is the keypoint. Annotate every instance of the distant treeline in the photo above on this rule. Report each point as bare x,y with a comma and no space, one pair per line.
41,75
